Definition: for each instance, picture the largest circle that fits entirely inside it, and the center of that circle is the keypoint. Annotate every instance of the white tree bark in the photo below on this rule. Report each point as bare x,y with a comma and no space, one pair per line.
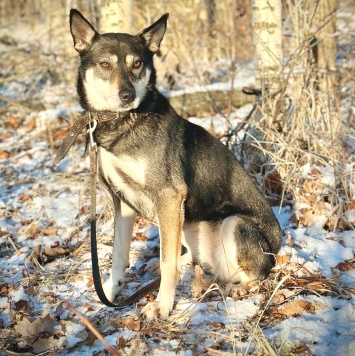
116,16
267,28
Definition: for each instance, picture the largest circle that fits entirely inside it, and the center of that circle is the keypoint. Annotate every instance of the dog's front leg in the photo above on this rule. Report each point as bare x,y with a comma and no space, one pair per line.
171,220
123,228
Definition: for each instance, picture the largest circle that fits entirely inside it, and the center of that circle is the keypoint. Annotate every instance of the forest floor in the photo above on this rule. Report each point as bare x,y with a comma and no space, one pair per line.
305,307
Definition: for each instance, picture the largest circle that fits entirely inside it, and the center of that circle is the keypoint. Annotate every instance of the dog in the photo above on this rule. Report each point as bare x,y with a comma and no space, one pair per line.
168,170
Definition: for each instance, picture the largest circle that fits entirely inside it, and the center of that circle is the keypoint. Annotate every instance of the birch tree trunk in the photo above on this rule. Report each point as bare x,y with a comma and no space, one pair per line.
116,16
267,27
322,21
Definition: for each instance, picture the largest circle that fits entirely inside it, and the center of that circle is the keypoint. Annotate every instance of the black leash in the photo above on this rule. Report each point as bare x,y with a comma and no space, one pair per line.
63,150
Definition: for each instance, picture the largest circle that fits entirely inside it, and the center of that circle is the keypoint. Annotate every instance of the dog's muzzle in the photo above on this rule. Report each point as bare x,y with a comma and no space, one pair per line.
127,95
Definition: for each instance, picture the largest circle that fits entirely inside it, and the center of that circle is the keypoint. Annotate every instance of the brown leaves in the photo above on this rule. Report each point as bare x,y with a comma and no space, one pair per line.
298,307
50,231
200,283
295,308
273,183
43,324
4,154
4,289
32,231
43,334
345,266
21,305
322,206
12,122
310,215
42,254
30,331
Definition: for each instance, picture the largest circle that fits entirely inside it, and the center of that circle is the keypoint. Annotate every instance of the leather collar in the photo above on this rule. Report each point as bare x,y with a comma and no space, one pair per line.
79,125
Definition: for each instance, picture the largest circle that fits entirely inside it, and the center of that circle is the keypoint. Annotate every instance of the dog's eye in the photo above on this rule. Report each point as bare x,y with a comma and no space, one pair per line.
137,64
105,65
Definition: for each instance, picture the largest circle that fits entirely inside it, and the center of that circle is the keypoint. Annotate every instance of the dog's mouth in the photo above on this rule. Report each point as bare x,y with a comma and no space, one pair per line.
123,107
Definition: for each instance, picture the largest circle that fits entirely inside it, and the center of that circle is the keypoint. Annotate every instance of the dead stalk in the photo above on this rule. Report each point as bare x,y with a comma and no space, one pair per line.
92,328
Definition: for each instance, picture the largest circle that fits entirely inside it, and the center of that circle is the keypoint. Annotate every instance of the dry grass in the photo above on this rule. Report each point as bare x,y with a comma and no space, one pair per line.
304,125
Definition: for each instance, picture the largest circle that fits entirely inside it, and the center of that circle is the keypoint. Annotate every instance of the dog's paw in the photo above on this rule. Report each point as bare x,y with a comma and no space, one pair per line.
153,267
154,309
240,290
111,290
161,307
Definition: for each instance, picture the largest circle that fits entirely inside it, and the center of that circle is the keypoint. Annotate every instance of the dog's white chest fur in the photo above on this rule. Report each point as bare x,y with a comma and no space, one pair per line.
126,177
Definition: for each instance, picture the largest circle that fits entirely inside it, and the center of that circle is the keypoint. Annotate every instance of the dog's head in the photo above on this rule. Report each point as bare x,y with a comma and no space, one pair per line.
116,69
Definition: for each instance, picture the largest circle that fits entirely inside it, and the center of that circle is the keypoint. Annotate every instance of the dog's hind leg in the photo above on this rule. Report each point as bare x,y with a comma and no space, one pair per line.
123,228
245,253
171,220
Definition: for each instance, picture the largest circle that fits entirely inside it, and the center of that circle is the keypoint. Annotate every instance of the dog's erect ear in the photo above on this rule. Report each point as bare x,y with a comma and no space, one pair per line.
82,31
154,34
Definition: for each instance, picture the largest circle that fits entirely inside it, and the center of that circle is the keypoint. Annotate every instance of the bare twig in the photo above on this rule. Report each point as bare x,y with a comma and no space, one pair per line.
92,328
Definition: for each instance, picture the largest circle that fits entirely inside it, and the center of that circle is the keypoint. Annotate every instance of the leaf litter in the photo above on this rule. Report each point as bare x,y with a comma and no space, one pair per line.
45,261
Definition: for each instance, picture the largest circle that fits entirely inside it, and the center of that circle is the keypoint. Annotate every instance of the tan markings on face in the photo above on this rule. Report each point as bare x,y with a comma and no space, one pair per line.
113,58
129,60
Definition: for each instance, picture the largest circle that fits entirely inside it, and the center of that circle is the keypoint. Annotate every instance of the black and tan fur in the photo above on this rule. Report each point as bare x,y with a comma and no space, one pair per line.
169,170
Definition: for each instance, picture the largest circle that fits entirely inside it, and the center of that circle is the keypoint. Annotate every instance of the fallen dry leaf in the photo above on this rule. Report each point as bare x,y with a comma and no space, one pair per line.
45,323
132,323
350,205
4,154
61,307
21,305
50,231
200,284
84,209
345,266
12,122
25,197
282,259
308,216
4,289
90,282
5,135
55,244
60,134
342,243
289,240
282,294
140,237
295,308
273,183
301,349
30,126
49,344
32,231
121,342
44,254
150,297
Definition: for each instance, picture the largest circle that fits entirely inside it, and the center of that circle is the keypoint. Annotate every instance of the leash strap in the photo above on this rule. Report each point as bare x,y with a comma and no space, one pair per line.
78,126
63,150
94,257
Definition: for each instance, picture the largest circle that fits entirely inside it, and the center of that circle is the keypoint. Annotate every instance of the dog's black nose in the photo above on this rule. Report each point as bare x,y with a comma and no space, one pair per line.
127,95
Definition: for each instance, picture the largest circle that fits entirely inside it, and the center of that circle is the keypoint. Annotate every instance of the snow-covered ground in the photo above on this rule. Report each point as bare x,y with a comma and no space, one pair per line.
305,306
